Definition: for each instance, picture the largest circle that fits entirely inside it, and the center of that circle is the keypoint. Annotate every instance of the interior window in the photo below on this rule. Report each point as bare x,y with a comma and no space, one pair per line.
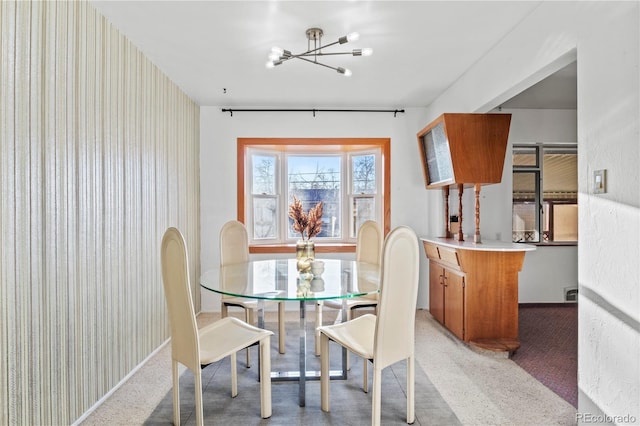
545,193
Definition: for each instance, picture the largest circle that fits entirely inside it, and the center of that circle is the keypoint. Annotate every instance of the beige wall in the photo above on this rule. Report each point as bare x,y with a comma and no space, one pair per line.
98,155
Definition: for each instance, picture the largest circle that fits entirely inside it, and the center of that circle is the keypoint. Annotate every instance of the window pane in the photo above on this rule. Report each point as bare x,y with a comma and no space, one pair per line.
525,186
524,220
560,194
565,222
364,174
315,178
560,175
524,223
264,176
265,224
525,156
363,210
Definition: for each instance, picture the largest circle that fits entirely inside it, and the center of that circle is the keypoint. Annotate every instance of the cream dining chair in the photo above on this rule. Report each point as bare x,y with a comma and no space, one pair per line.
234,248
195,348
368,249
389,336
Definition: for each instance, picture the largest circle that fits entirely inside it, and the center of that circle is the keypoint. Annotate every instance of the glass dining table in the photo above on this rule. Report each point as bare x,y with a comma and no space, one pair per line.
280,280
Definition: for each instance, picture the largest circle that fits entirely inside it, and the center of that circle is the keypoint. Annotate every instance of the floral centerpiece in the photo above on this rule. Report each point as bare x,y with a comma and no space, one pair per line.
308,225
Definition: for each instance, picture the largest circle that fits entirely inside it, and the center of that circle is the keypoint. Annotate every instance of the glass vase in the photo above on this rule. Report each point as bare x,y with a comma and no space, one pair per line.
305,249
301,247
305,254
310,250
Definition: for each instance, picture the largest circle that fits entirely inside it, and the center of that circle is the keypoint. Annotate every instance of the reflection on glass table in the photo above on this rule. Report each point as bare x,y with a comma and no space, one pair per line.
279,279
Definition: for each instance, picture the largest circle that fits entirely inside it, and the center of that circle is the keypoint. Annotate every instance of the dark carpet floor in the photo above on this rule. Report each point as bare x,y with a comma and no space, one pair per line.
349,404
549,346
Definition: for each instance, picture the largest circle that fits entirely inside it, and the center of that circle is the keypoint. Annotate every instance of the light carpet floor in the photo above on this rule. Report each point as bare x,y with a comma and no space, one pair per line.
481,388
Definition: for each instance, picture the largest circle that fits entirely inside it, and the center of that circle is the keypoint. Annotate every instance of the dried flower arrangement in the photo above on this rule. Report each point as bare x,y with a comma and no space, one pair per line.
309,223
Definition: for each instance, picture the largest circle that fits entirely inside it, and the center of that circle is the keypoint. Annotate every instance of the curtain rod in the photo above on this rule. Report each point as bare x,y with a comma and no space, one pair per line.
314,110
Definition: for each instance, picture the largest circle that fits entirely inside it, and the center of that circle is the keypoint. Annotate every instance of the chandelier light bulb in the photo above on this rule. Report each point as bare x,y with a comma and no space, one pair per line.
272,64
273,56
345,71
277,51
367,51
348,37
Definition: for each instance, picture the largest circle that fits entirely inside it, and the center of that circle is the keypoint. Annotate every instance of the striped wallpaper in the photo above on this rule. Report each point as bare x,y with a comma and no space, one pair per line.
99,154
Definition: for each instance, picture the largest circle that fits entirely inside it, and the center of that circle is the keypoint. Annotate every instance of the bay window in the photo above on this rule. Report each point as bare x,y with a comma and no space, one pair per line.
349,176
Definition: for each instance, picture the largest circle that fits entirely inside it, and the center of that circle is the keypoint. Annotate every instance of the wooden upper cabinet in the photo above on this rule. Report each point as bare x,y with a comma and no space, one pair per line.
467,149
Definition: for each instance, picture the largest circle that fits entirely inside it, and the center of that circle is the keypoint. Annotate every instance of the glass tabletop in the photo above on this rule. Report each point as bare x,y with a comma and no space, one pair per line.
279,279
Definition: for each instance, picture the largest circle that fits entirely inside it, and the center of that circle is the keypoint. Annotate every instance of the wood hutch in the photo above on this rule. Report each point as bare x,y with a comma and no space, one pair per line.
473,285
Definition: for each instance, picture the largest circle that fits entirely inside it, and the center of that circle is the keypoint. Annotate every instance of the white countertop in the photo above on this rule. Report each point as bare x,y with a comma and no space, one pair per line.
485,245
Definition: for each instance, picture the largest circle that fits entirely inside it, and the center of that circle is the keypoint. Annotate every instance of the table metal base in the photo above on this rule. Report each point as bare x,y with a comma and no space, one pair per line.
298,376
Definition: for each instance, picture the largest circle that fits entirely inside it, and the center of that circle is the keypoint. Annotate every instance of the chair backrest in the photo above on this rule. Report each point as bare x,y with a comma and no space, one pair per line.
175,278
400,272
369,242
234,243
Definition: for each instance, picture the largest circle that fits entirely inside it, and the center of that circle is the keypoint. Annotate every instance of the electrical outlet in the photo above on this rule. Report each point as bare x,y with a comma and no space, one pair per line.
599,181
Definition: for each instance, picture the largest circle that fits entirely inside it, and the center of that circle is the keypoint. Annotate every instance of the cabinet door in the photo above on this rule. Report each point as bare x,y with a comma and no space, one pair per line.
454,302
436,291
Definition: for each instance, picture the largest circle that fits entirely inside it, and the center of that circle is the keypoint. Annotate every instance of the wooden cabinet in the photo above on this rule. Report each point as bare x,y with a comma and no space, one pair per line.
464,149
436,291
473,290
447,305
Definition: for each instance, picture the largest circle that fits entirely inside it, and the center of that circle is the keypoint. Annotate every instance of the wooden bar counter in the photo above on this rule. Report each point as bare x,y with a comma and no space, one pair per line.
473,289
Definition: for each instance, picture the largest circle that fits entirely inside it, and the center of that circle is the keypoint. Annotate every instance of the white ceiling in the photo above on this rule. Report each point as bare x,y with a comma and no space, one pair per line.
420,47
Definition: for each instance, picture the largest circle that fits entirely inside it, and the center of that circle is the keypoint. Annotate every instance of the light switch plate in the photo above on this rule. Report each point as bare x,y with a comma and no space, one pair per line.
600,181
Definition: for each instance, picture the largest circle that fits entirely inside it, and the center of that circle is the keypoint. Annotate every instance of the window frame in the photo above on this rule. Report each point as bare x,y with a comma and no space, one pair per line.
312,145
538,170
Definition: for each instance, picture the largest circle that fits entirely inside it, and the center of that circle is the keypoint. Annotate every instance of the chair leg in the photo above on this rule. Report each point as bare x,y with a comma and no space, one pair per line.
248,318
265,378
198,391
411,416
176,393
318,324
349,316
234,375
324,372
281,332
365,375
376,397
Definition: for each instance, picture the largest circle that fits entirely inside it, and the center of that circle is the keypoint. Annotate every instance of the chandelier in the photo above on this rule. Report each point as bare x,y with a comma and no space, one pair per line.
314,51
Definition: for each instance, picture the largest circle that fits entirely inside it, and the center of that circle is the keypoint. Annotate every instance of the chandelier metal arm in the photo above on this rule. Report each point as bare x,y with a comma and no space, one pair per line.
315,52
324,54
318,63
321,47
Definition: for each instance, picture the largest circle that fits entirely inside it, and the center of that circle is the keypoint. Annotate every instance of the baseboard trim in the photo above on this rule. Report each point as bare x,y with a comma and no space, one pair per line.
119,385
548,305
